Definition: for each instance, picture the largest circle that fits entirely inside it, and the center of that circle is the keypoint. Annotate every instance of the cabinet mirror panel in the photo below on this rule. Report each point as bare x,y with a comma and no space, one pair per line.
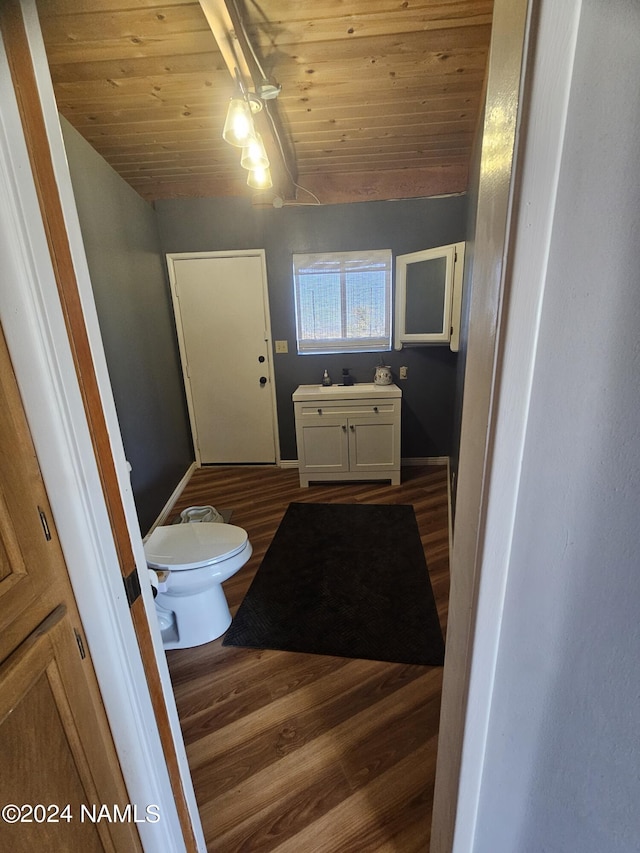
428,296
426,290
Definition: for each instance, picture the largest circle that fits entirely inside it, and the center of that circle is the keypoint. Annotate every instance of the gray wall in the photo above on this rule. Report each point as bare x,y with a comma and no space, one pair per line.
126,261
402,226
563,751
120,235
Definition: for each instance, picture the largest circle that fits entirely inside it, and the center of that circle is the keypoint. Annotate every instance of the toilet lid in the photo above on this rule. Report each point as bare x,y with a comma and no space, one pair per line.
190,546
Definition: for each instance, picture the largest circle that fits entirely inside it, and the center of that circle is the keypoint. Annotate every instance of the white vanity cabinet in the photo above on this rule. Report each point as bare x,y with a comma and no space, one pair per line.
348,432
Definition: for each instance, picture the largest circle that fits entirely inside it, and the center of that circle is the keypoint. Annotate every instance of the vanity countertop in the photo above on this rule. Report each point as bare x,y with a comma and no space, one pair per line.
359,390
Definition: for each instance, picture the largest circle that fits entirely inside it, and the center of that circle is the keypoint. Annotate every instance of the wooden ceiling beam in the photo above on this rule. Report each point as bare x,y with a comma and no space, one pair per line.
235,55
239,58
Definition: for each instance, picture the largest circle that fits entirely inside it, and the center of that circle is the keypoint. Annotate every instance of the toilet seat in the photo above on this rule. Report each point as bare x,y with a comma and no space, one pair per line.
180,547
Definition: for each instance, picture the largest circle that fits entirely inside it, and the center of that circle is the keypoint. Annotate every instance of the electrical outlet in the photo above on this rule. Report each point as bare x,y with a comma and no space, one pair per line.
404,372
282,346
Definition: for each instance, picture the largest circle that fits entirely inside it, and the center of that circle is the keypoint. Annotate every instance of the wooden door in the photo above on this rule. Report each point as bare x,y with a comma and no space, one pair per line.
55,742
222,317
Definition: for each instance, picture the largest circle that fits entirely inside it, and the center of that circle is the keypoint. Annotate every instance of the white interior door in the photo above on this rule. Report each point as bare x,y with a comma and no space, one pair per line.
222,316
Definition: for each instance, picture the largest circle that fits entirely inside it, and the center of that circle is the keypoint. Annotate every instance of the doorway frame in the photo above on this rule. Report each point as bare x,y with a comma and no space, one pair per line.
171,257
40,350
37,338
508,285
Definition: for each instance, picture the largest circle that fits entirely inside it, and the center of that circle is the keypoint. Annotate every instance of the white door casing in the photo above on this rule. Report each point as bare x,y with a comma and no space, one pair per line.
508,281
40,350
222,317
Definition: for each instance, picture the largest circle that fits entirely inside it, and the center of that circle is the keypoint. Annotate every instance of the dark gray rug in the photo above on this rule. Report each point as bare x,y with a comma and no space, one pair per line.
343,579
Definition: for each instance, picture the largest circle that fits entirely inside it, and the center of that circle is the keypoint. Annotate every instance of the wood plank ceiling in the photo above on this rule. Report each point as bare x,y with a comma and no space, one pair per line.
380,99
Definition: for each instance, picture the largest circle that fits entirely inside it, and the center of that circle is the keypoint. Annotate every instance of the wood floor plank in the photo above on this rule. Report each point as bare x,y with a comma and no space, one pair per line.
394,724
369,819
213,702
264,736
310,753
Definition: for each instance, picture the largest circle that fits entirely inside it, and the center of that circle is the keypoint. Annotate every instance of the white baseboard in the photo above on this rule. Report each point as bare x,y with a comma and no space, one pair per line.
168,507
289,463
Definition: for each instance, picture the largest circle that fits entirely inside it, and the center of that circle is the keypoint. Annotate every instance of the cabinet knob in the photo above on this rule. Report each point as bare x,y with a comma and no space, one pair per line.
344,427
352,428
375,408
319,411
263,380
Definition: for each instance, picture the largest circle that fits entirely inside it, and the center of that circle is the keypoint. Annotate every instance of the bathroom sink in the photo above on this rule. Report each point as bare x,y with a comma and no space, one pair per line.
360,389
356,388
360,386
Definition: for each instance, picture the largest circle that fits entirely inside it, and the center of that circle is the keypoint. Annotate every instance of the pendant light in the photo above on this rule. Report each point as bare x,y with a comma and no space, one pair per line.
238,127
239,130
254,155
251,84
260,179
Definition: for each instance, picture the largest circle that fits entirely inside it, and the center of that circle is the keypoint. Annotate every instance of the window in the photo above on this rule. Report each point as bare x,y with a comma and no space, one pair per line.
343,301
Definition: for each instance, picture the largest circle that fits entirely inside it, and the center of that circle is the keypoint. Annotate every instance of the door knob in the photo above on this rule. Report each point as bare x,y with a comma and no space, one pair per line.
263,380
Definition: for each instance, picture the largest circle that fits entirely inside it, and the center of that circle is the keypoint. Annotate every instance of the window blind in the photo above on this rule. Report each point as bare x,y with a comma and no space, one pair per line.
343,301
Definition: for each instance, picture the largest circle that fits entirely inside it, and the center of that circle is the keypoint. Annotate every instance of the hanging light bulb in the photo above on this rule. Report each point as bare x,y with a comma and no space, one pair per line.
238,127
254,155
260,179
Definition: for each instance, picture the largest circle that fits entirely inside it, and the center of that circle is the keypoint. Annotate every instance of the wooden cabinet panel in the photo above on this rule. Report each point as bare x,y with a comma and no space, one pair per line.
55,741
44,767
26,570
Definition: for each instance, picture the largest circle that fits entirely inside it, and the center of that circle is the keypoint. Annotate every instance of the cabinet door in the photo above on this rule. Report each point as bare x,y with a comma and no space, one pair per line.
324,445
55,742
46,769
374,444
428,296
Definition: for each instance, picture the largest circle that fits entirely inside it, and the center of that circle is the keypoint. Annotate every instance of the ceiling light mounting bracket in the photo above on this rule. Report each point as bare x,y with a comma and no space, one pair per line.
268,91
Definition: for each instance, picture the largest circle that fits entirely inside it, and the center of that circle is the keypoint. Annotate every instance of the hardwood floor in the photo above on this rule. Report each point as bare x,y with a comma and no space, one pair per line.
303,753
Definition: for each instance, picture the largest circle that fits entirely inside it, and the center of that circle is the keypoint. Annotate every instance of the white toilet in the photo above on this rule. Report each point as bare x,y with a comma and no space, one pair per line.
191,562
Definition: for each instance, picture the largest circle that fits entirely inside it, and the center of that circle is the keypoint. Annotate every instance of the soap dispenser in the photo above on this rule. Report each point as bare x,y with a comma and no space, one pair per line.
326,379
347,379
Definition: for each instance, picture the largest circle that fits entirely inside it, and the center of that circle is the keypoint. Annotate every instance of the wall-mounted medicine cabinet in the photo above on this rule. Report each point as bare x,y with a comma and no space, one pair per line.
429,297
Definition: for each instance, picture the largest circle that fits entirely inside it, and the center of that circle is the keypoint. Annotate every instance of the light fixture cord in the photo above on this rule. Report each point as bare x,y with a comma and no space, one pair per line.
276,135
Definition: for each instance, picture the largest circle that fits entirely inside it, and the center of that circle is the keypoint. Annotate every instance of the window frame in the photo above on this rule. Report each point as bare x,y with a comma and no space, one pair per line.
343,344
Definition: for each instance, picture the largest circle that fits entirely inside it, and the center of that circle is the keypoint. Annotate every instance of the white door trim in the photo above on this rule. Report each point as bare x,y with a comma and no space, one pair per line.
488,495
37,339
172,257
